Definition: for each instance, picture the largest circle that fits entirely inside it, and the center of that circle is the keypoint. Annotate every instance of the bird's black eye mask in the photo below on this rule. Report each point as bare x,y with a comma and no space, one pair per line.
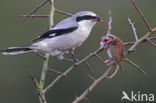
86,17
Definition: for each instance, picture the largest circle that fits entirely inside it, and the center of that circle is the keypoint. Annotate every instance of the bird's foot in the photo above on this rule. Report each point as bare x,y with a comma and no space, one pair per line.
108,62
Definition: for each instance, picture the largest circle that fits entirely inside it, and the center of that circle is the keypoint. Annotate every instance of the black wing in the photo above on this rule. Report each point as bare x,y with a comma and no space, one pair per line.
55,32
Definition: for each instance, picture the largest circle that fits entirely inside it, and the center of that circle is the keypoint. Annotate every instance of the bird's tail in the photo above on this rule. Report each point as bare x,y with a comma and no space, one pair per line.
16,50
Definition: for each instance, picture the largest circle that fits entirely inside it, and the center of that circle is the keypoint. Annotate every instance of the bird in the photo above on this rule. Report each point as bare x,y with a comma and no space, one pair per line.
115,50
63,38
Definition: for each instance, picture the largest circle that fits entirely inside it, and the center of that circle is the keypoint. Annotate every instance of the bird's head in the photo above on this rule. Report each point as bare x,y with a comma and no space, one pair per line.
106,41
86,18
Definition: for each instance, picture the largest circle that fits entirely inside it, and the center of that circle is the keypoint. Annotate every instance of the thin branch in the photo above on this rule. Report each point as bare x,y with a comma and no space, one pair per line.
70,69
45,16
44,71
36,9
91,77
136,66
151,42
109,25
133,42
42,78
133,28
92,86
141,40
40,55
34,16
141,14
45,64
51,17
54,71
101,59
63,12
34,80
89,67
115,72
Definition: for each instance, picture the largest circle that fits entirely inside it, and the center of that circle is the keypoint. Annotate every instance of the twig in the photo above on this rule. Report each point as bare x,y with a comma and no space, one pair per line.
45,64
70,69
63,12
34,16
141,40
34,80
51,17
109,25
141,14
36,9
45,16
91,77
136,66
151,42
43,75
101,59
54,71
133,42
40,55
133,28
115,72
92,86
89,67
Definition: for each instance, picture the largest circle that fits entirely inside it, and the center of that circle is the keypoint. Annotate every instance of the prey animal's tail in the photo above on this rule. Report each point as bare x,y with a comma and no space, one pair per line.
16,50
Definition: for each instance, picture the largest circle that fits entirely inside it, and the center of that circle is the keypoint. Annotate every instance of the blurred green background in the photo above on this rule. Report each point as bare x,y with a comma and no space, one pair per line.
15,84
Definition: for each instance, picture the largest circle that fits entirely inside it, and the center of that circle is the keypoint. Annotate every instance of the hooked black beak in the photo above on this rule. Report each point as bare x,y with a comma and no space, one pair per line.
98,18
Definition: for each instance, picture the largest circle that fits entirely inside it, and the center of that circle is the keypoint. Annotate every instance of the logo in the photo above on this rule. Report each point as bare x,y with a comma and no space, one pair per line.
138,96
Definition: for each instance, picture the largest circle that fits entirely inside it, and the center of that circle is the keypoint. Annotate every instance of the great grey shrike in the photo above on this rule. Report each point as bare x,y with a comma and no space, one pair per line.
63,38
